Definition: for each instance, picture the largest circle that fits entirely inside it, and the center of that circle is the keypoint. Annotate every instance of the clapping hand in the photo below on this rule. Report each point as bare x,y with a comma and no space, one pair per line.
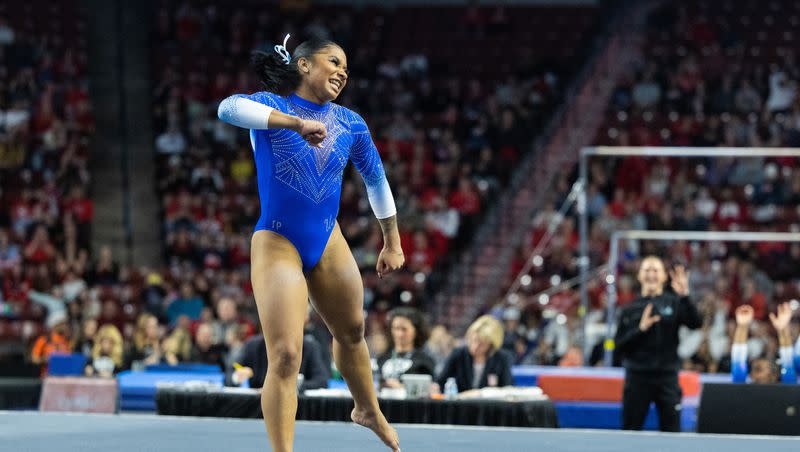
648,320
783,317
680,280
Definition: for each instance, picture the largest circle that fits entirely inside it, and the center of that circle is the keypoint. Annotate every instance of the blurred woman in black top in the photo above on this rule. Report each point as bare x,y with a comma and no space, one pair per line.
647,340
406,355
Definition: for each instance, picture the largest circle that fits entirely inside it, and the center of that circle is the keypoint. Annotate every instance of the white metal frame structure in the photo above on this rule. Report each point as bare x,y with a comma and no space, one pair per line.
677,152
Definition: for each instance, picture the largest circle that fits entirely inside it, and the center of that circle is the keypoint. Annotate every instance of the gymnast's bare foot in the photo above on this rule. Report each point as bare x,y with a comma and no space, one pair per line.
378,424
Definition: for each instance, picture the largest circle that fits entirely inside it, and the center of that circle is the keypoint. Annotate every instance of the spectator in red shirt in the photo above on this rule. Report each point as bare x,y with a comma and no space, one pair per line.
626,293
468,204
78,205
752,297
240,252
466,201
421,256
617,205
40,250
82,209
567,236
631,173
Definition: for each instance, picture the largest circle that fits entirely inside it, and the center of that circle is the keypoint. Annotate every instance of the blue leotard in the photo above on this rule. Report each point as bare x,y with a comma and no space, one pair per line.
300,185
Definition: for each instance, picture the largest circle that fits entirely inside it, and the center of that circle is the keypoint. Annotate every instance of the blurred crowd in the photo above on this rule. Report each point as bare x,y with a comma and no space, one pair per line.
711,76
46,123
449,144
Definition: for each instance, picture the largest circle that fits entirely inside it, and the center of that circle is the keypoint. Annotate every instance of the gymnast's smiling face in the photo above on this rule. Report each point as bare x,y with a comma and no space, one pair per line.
325,72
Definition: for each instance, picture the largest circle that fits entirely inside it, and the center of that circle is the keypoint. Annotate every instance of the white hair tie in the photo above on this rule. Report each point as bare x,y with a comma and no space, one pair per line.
281,50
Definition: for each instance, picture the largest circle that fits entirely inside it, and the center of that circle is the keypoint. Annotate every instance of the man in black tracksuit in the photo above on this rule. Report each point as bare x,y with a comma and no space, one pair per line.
647,339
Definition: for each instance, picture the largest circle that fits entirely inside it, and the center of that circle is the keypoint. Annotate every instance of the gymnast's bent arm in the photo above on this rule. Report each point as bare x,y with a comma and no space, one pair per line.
366,159
241,111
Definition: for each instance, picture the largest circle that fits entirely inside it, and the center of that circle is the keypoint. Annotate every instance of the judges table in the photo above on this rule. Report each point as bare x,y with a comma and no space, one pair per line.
247,404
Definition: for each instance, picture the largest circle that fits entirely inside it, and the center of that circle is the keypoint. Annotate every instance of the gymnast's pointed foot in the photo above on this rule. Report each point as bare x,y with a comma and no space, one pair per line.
378,424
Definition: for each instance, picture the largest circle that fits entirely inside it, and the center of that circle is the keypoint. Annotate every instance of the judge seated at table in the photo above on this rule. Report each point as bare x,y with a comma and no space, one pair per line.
252,364
481,363
406,354
205,351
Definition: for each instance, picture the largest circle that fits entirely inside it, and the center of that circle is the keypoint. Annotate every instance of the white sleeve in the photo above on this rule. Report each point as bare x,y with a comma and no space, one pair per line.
786,355
245,113
381,199
739,353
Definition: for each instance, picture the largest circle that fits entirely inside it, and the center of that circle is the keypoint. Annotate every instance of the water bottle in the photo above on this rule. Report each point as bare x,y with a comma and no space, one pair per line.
376,376
450,389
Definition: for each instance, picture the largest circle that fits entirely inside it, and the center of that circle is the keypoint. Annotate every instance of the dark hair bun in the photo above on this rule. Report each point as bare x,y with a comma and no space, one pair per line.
279,77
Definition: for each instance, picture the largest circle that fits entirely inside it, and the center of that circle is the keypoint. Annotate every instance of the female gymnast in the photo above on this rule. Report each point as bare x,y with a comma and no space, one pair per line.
302,142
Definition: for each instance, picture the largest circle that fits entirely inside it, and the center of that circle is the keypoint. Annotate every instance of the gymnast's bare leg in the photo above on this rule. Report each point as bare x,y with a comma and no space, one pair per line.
338,296
281,295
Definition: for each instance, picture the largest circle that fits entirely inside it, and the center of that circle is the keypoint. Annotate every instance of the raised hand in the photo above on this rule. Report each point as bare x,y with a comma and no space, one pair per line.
313,132
680,280
783,317
744,315
648,320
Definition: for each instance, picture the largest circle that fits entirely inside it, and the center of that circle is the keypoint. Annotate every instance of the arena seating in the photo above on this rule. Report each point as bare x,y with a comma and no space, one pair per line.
45,214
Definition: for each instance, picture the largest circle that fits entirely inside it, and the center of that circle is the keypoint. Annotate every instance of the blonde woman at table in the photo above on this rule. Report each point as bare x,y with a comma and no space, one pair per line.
480,363
107,354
